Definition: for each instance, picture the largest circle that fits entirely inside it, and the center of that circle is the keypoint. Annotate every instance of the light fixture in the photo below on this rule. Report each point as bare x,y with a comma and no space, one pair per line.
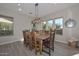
19,4
20,9
37,19
44,22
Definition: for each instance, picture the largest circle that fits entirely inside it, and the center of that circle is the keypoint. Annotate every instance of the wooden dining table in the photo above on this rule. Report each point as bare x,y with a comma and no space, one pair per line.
41,38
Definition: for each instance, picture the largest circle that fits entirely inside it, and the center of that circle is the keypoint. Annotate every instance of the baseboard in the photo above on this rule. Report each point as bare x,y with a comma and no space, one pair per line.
61,41
8,42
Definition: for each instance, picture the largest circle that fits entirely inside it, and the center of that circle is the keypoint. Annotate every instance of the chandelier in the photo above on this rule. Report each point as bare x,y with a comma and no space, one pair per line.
36,19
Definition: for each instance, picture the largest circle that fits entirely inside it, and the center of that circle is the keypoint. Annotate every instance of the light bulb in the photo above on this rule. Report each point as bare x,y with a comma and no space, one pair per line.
19,4
19,9
44,22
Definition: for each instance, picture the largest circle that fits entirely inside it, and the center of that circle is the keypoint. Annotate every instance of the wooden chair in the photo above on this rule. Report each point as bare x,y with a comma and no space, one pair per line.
49,44
30,40
35,43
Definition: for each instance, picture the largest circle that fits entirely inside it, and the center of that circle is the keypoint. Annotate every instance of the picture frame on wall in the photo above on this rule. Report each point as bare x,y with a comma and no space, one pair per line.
6,25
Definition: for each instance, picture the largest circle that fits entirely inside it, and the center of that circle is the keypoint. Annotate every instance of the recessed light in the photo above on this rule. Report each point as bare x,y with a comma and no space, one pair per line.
19,4
19,9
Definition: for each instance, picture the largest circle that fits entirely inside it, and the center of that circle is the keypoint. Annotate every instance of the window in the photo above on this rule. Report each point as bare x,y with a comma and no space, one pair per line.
59,25
58,22
47,24
50,22
44,25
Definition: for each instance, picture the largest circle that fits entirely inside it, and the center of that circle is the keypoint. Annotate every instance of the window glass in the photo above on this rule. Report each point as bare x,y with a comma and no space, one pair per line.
59,23
49,24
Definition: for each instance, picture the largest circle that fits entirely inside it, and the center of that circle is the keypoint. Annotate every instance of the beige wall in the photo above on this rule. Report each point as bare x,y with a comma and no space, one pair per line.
72,12
21,22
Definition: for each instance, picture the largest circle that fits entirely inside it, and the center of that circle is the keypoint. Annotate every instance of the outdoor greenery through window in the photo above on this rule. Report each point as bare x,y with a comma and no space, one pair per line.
58,22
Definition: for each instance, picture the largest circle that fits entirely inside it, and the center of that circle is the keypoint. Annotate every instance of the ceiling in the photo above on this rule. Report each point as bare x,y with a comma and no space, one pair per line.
29,8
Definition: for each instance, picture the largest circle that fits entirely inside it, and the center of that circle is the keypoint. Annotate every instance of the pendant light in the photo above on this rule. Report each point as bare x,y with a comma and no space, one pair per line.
37,19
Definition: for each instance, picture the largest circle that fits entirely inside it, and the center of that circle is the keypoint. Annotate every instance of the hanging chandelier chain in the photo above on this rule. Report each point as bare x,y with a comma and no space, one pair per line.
36,10
37,19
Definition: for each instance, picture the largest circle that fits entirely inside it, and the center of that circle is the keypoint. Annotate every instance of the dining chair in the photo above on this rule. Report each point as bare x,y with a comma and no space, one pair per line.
30,40
49,43
35,43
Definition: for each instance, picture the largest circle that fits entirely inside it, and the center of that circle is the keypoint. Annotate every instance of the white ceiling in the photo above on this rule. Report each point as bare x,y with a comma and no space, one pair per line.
44,8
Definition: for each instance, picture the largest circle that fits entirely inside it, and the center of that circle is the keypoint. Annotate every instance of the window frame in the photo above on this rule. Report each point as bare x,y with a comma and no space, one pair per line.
59,29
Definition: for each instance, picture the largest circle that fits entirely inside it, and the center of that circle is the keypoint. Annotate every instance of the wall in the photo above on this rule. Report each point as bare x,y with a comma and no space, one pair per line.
75,31
71,12
21,22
